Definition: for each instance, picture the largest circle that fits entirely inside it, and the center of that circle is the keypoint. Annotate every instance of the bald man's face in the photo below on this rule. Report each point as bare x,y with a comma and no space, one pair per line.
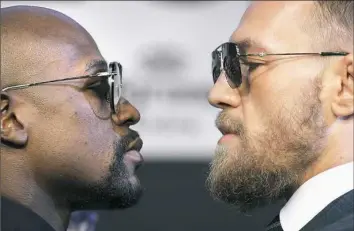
73,148
273,124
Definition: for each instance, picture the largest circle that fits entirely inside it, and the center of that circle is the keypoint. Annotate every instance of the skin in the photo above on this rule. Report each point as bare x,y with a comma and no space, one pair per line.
57,155
291,119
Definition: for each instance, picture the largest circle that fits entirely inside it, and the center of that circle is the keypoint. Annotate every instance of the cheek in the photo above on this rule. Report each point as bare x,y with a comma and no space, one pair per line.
255,109
277,93
73,142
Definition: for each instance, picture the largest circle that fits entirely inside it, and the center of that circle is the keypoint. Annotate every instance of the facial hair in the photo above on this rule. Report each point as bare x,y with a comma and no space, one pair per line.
121,191
116,190
268,166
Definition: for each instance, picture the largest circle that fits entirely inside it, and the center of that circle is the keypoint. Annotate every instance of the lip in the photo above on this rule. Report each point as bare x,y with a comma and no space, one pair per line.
227,138
135,158
136,145
133,154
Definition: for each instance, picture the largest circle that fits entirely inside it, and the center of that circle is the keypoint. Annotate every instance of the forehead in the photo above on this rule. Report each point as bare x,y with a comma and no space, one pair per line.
44,60
70,60
276,26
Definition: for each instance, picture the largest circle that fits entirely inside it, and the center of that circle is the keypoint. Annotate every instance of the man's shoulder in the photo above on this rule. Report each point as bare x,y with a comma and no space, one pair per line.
17,217
344,224
338,215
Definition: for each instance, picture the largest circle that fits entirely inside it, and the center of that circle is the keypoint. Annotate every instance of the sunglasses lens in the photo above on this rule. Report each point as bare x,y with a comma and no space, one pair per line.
116,69
216,65
227,53
106,92
99,97
233,71
216,74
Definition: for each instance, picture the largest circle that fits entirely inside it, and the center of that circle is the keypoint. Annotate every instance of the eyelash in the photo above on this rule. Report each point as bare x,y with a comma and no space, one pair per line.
252,66
101,89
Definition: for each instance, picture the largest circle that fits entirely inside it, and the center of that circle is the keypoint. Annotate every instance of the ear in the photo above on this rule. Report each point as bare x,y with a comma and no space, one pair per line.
343,102
13,131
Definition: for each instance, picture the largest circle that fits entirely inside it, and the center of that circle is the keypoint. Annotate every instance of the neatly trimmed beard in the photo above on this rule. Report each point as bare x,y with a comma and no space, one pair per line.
268,166
118,189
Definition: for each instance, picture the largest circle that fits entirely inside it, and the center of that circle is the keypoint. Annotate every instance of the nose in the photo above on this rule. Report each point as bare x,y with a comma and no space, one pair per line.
222,95
126,115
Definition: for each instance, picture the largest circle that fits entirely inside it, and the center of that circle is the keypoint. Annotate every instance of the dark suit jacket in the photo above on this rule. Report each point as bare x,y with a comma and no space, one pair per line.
15,217
337,216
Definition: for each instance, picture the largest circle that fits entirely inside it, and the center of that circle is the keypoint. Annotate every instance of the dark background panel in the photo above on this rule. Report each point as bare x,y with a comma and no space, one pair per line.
175,199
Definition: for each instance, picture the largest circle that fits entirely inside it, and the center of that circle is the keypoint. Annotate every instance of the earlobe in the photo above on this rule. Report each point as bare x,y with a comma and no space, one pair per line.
13,132
343,105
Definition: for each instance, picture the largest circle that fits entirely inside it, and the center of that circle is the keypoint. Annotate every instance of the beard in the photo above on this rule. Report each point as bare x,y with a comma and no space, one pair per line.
119,189
270,165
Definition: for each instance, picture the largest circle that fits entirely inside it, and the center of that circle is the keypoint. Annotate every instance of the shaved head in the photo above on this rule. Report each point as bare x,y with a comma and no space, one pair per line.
62,142
33,38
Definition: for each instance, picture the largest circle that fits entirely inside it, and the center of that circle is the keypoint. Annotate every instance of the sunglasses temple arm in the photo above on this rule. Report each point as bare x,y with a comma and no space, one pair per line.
17,87
334,53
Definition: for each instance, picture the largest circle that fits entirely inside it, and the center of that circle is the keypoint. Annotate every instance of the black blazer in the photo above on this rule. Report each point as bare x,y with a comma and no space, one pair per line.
15,217
337,216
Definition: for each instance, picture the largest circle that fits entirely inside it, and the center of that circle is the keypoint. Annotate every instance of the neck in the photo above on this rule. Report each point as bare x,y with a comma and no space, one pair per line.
339,149
22,188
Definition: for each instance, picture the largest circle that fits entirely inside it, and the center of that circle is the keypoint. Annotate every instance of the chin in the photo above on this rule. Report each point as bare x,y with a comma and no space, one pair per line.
122,193
127,196
124,203
123,200
119,191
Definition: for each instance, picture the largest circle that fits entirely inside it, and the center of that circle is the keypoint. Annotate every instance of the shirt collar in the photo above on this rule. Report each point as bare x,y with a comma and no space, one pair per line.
314,195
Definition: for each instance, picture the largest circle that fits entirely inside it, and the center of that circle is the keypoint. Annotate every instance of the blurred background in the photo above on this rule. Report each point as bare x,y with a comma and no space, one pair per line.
164,47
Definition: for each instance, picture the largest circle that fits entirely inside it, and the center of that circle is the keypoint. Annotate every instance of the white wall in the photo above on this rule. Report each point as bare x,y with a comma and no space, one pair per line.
164,48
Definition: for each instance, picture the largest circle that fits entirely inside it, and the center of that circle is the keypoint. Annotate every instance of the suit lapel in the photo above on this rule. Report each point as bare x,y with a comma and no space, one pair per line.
337,210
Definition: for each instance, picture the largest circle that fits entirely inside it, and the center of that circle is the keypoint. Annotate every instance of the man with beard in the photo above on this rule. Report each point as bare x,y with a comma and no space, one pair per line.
285,86
66,142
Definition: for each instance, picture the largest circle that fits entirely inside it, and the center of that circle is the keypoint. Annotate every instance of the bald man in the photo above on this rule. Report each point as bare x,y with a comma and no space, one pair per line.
284,85
66,142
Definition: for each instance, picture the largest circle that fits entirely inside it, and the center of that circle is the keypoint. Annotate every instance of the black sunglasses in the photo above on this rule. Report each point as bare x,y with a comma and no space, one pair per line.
114,81
226,57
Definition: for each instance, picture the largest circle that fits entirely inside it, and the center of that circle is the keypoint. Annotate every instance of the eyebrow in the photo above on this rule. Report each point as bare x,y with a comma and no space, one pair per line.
248,43
95,66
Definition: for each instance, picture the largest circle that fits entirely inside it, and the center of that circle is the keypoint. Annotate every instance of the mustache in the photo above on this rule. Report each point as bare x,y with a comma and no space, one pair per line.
123,144
228,125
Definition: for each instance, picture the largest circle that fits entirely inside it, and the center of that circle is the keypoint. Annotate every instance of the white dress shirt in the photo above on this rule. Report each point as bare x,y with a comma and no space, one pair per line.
314,195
